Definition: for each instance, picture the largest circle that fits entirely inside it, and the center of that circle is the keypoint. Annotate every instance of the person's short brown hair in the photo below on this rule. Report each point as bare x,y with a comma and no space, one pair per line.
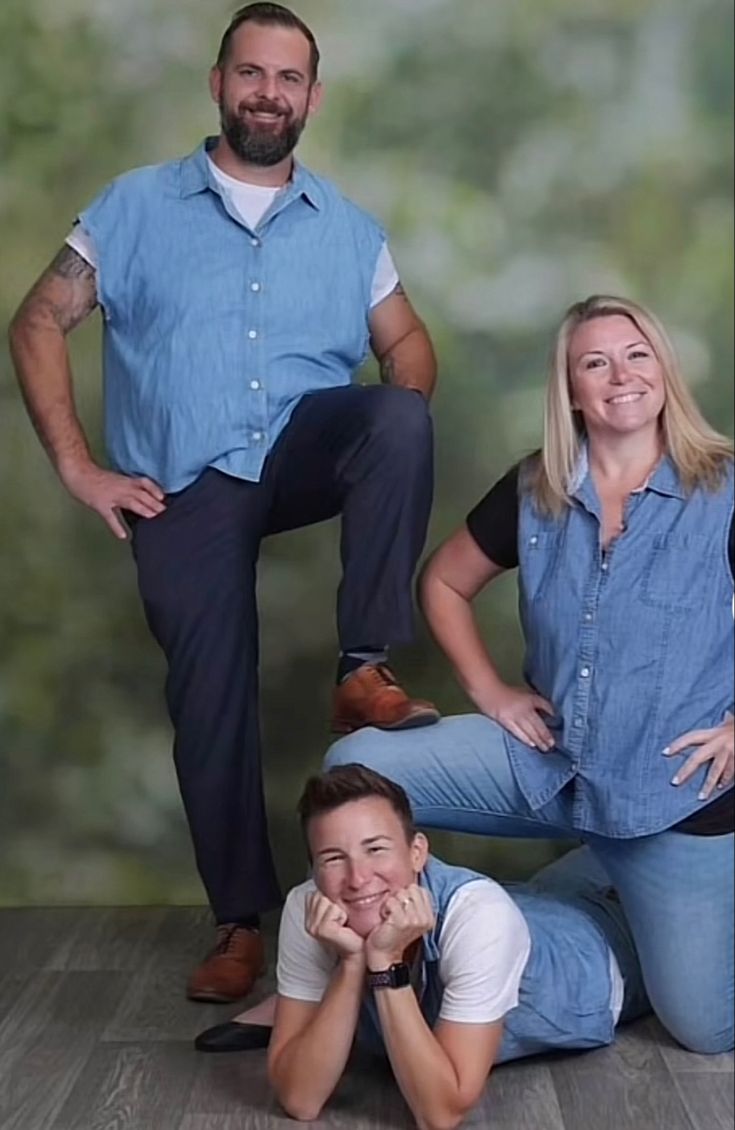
269,15
345,783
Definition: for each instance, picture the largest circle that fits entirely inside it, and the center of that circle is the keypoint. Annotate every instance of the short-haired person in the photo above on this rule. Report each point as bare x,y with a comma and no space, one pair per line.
440,967
621,529
240,293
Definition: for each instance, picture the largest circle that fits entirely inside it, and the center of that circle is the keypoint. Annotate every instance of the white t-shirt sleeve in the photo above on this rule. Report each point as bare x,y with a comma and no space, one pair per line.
485,944
83,244
304,967
385,279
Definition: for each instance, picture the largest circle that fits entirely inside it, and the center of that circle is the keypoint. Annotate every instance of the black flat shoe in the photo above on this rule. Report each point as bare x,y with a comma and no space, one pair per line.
233,1037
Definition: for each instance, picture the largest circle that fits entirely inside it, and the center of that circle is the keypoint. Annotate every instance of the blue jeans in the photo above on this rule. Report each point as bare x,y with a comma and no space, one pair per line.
676,890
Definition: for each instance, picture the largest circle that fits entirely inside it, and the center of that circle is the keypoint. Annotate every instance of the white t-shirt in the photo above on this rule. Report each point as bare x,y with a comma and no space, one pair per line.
485,945
251,202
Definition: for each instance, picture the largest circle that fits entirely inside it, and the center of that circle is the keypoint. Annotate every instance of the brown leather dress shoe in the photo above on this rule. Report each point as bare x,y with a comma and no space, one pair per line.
370,696
231,969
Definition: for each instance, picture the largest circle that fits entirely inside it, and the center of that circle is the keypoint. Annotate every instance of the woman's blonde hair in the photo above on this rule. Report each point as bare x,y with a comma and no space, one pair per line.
699,453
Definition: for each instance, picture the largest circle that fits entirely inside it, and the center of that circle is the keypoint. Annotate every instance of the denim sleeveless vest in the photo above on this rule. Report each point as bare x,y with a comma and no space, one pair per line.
213,332
565,989
610,640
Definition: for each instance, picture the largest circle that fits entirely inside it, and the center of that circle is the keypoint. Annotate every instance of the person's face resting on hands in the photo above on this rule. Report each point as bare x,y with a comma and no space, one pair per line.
368,904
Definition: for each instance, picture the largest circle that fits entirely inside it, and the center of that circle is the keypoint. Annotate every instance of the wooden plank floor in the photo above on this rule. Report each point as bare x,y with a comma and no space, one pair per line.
95,1034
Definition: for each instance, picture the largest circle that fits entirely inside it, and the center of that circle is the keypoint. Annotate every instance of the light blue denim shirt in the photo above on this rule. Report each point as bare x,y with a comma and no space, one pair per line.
633,646
213,332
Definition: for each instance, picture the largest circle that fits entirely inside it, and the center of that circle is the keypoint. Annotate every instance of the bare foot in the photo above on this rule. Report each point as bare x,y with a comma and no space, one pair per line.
262,1013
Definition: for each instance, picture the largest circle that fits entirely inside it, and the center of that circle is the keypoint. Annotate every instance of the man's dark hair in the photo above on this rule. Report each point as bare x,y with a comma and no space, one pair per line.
269,15
345,783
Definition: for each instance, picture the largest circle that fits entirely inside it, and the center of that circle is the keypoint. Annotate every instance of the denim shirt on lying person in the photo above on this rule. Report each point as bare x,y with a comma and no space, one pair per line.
633,646
213,332
565,993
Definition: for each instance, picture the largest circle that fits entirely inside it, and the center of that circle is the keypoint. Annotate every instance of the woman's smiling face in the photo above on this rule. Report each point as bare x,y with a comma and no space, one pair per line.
361,856
615,378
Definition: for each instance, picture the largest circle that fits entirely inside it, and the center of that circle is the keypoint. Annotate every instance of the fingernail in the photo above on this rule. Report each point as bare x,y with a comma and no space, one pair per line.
702,796
675,781
666,751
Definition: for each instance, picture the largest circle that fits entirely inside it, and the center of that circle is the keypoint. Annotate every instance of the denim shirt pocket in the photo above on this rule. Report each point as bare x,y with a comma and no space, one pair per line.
538,556
678,567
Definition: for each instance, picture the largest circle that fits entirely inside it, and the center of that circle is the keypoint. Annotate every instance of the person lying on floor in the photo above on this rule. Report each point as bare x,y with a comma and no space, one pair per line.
441,968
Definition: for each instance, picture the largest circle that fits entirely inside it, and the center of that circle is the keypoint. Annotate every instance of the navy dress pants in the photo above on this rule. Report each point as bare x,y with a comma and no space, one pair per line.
362,452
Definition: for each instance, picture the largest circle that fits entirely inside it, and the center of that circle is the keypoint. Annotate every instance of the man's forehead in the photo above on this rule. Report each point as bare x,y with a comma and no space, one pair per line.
283,46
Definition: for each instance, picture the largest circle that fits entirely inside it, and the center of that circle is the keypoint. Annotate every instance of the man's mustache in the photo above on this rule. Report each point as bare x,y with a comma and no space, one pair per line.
263,106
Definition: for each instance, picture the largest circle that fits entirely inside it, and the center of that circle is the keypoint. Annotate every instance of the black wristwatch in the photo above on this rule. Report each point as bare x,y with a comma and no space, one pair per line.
397,977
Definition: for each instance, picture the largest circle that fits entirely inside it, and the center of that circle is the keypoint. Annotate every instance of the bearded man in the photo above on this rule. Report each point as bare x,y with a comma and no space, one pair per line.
239,294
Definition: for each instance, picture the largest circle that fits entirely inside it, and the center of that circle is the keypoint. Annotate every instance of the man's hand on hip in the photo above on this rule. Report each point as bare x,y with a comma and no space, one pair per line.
107,492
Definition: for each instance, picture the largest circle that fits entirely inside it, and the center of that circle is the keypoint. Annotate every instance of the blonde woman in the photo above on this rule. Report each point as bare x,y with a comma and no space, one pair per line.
621,528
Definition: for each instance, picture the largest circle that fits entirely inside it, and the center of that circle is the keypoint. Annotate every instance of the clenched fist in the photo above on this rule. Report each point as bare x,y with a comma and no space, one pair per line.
407,915
326,921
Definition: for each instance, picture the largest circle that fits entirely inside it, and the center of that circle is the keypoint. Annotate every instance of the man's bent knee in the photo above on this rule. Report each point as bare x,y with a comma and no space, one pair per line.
401,414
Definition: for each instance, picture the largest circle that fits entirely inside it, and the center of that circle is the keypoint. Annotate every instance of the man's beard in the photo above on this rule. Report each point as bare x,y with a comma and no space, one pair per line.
264,146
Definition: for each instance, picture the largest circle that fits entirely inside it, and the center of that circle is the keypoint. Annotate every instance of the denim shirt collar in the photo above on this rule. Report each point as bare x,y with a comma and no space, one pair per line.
430,941
664,479
196,177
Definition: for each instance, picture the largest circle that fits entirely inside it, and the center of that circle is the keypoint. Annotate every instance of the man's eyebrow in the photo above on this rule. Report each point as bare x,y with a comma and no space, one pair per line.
259,67
380,836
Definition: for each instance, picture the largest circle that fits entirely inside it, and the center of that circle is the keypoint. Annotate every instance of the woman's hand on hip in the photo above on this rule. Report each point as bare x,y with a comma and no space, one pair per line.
716,745
519,710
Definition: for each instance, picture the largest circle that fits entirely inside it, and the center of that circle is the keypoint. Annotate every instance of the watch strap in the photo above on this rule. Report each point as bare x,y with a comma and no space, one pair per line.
397,976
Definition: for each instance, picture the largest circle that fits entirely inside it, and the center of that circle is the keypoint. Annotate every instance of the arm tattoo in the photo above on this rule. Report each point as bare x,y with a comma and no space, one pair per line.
69,264
387,370
65,294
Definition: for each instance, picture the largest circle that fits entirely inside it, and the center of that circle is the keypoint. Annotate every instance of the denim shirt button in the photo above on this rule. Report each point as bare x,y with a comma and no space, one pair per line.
585,672
579,721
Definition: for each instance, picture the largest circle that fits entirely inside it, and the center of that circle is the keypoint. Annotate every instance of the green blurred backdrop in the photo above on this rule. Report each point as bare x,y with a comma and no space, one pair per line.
522,153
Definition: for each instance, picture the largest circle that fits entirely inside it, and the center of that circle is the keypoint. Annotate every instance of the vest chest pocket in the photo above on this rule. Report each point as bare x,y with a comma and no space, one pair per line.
537,553
679,570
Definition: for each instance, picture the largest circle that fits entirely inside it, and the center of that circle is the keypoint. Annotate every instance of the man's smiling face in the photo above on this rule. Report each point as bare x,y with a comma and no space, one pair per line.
265,92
